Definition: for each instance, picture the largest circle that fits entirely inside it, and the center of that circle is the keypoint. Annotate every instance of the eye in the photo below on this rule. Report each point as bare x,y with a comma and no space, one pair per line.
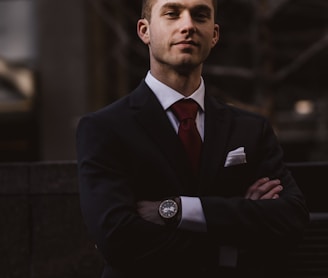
201,16
201,13
172,14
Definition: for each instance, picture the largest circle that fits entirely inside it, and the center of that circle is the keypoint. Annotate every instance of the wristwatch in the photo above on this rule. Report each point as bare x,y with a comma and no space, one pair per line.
168,210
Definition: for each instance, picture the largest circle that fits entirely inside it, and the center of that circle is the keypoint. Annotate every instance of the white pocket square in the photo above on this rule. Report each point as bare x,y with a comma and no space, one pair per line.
235,157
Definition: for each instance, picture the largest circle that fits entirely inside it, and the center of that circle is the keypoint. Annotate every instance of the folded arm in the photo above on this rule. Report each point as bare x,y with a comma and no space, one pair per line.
262,189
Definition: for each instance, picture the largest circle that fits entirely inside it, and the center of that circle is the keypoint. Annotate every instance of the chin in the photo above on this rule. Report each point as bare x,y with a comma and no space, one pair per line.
186,68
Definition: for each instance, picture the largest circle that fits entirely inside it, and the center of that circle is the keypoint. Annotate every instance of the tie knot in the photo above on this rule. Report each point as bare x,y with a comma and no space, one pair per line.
185,109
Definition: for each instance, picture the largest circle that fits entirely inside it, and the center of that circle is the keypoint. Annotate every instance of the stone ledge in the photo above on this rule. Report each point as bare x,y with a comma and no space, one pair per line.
43,234
42,231
58,177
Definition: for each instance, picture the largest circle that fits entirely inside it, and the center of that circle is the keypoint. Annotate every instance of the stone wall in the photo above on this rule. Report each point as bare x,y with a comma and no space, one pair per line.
42,234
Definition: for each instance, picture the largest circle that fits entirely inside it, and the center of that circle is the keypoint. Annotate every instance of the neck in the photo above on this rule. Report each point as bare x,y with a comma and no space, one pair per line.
184,82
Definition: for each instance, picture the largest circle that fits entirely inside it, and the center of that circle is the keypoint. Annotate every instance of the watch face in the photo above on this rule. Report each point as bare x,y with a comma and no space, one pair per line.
168,209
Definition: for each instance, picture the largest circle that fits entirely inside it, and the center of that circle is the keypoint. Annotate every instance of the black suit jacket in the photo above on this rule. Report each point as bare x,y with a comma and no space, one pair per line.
128,151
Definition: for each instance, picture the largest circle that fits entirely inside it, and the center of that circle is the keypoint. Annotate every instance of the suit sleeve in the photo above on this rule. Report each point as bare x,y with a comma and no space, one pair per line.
242,222
108,204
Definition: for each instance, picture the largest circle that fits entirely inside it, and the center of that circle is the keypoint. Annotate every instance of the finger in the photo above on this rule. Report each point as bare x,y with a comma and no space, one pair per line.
266,190
260,182
255,185
266,187
273,193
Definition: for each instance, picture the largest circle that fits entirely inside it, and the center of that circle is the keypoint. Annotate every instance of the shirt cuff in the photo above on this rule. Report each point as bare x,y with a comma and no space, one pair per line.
192,215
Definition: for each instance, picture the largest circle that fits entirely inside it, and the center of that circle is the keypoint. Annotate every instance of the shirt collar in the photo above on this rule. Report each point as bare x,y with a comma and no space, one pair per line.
167,96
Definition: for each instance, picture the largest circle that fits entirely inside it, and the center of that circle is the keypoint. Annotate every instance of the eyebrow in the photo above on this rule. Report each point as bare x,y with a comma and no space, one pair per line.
171,5
177,6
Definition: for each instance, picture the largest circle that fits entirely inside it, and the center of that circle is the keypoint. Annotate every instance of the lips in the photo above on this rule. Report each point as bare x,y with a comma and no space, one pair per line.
186,43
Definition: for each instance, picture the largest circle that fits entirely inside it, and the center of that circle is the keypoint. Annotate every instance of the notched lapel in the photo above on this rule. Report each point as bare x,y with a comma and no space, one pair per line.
217,129
152,117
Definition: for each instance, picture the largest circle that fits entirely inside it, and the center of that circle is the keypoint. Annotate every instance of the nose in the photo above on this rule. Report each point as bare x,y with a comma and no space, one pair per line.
187,23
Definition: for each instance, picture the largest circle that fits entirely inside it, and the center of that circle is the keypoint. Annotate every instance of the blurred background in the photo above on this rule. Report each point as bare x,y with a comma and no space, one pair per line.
60,59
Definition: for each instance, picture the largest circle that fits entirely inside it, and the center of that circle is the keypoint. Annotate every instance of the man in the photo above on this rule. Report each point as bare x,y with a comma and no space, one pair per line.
154,209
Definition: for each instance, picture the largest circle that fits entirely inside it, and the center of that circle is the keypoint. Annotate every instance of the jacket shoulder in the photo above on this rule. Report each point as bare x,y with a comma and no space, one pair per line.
238,112
122,106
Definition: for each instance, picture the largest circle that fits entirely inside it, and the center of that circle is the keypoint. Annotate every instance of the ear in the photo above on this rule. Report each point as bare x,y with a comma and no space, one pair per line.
216,35
143,30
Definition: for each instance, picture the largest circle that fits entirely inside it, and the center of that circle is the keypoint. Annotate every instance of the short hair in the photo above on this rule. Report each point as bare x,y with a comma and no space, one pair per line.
148,4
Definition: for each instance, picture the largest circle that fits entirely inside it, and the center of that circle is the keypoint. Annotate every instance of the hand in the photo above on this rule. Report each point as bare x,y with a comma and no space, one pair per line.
264,189
148,210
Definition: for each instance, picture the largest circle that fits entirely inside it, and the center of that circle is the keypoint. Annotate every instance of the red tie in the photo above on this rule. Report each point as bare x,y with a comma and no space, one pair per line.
186,111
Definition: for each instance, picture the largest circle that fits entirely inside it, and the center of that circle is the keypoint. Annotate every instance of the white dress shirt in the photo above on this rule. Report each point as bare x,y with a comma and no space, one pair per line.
192,217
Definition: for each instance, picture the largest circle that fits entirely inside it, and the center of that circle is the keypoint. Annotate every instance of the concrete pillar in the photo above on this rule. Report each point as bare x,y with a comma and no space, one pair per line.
62,75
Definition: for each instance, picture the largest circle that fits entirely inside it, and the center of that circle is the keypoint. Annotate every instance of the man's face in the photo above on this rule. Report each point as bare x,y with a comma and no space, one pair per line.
181,33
